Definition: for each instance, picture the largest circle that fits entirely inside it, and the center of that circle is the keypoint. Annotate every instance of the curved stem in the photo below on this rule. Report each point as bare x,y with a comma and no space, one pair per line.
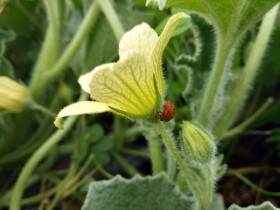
245,80
75,44
44,130
70,184
31,200
50,49
38,86
36,158
238,129
105,173
125,165
112,17
252,185
137,153
43,109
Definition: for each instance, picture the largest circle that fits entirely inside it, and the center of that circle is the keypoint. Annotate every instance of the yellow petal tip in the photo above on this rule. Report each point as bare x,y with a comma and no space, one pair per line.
58,123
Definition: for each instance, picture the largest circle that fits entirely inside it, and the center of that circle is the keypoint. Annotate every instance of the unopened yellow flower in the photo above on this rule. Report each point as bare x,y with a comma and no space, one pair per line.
13,96
132,87
197,142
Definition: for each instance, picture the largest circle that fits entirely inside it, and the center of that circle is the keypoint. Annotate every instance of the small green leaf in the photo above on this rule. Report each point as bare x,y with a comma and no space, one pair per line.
94,132
138,193
264,206
105,144
6,68
103,158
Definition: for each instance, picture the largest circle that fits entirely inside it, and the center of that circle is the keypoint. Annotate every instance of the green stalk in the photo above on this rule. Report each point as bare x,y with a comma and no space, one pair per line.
137,153
252,185
243,84
69,185
36,158
171,165
112,17
38,84
156,154
43,109
119,127
34,199
210,92
50,49
76,42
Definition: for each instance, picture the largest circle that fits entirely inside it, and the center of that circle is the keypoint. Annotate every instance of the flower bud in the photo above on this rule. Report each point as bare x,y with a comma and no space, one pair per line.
198,143
13,96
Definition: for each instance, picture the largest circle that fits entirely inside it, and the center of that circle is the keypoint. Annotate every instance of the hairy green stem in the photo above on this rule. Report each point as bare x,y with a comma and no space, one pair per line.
112,17
171,165
36,158
185,170
211,89
243,84
238,129
156,154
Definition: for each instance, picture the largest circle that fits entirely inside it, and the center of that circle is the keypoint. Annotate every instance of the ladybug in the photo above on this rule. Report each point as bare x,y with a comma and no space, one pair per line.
168,112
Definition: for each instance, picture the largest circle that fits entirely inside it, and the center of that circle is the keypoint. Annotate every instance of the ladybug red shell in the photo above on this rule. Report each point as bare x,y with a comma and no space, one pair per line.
168,112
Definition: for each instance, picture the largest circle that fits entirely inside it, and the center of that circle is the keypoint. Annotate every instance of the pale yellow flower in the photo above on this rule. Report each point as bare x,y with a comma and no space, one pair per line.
13,96
132,87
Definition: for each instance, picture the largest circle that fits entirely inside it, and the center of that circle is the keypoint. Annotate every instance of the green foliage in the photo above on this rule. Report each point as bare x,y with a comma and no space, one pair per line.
149,193
48,44
264,206
231,18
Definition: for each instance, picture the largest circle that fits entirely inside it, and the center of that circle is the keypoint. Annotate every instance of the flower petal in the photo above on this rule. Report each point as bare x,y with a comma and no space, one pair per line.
79,108
127,85
161,44
141,37
85,79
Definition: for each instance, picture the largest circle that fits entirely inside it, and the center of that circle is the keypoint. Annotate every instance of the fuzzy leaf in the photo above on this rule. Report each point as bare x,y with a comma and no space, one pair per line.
264,206
230,17
149,193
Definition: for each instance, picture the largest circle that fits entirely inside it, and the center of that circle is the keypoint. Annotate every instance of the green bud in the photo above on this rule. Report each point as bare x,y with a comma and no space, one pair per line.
197,142
13,95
